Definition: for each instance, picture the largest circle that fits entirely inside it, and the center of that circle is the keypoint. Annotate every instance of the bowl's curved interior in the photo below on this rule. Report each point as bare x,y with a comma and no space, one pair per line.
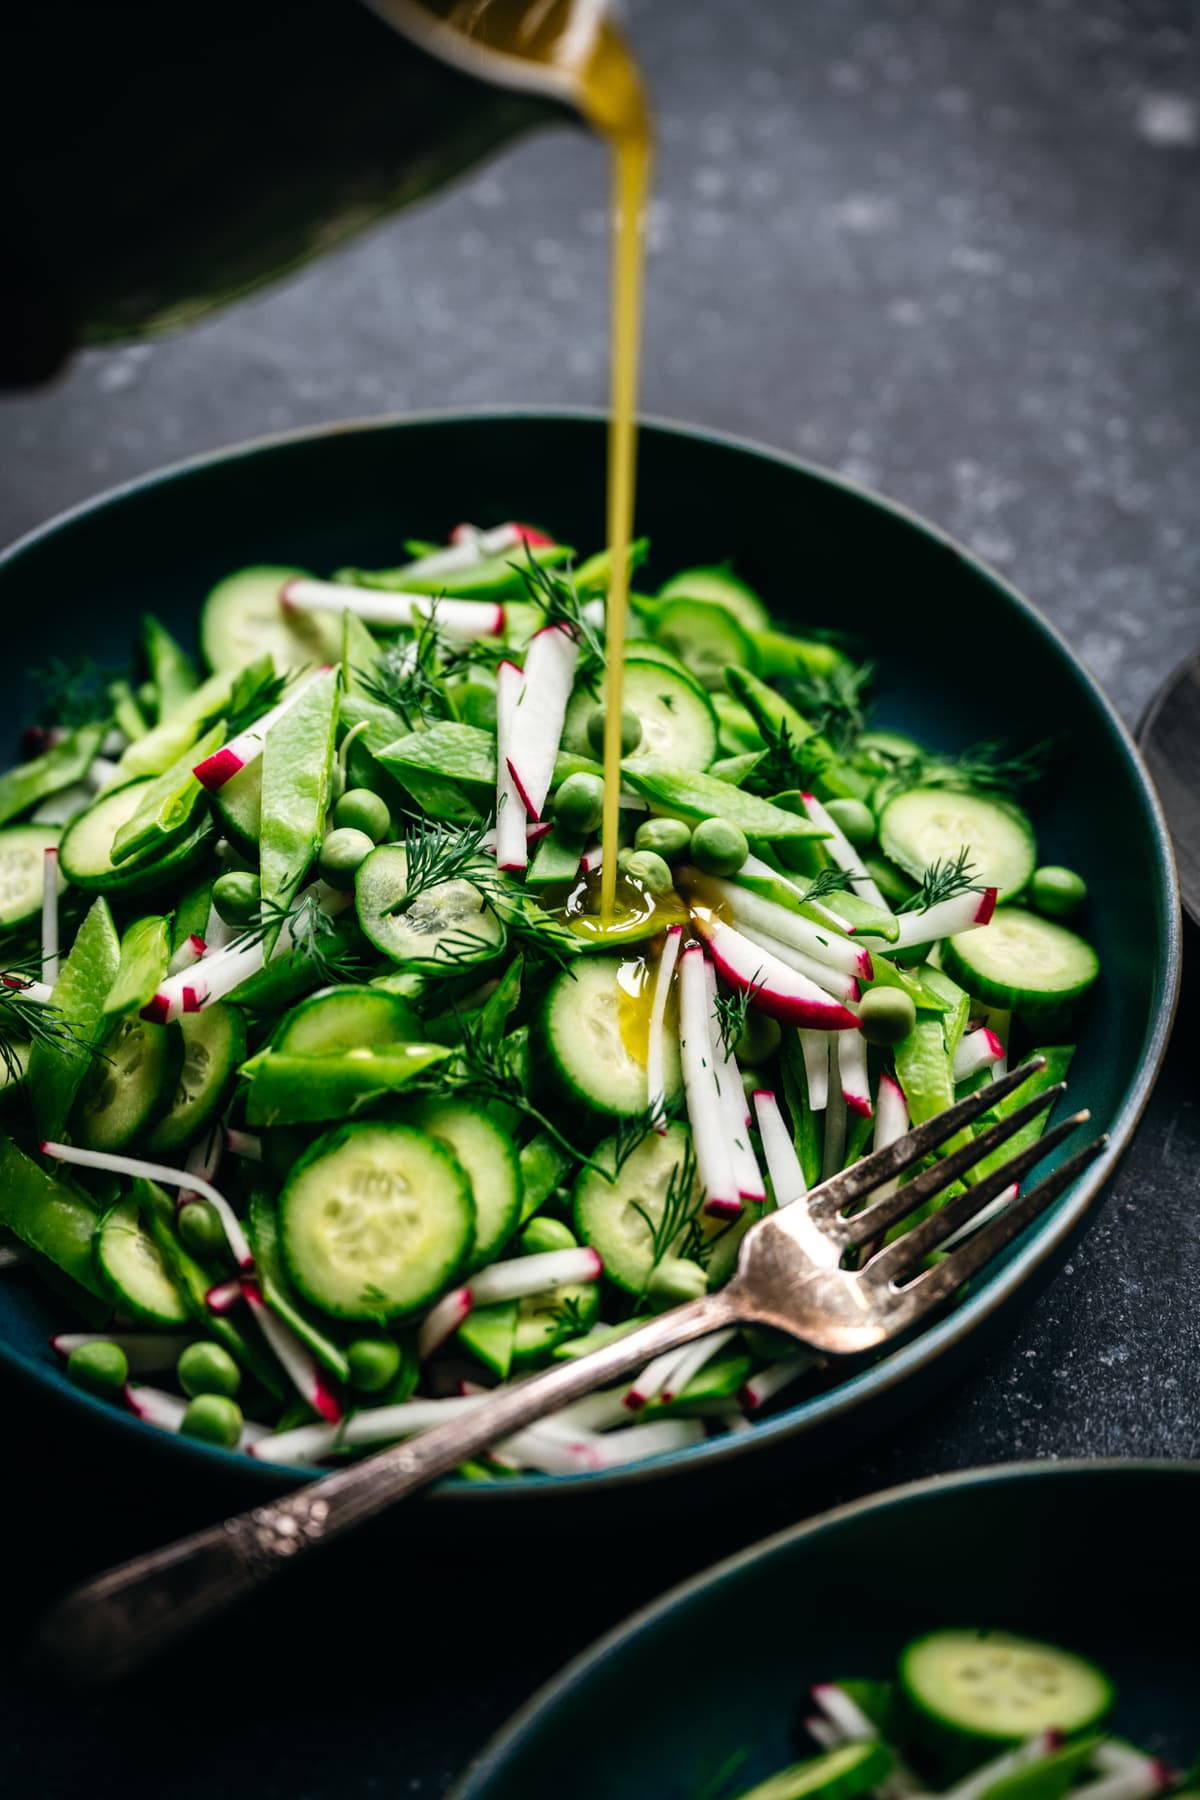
1100,1557
960,659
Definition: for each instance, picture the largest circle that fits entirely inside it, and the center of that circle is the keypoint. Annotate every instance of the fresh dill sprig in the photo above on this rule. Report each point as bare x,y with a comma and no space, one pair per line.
557,598
829,881
787,763
27,1022
569,1315
943,880
314,935
984,768
834,703
634,1128
730,1011
435,851
250,700
405,677
678,1211
72,693
489,1073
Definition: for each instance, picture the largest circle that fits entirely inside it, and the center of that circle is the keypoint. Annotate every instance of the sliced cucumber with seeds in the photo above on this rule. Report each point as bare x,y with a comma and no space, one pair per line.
237,808
346,1018
717,583
544,1320
131,1267
1022,963
618,1215
85,853
705,637
491,1167
129,1084
926,825
22,872
243,620
982,1690
449,926
375,1221
677,720
214,1046
593,1025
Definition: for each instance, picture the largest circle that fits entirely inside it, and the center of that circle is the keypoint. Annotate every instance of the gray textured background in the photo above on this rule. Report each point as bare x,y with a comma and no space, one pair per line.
947,248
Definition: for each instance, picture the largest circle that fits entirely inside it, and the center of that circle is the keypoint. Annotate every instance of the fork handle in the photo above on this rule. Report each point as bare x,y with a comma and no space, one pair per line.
111,1624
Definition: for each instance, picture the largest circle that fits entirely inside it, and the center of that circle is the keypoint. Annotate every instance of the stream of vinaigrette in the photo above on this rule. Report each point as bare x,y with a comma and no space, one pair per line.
572,50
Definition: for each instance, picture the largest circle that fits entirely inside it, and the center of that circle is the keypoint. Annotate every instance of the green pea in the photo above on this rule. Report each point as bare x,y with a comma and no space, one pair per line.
214,1419
666,837
102,1368
236,896
201,1228
886,1015
374,1363
361,810
579,803
477,705
631,731
207,1369
759,1038
719,848
1057,892
341,853
646,867
547,1234
855,818
675,1279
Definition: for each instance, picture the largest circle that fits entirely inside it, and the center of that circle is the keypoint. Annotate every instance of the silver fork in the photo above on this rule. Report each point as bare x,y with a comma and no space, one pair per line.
789,1277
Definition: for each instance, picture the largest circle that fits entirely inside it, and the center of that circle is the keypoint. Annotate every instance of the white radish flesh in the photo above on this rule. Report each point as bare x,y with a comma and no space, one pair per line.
830,980
776,1376
891,1122
714,1161
550,663
963,913
247,746
656,1098
814,1048
526,1275
977,1050
511,842
844,854
852,1069
455,618
50,914
781,992
442,1321
747,908
296,1359
167,1177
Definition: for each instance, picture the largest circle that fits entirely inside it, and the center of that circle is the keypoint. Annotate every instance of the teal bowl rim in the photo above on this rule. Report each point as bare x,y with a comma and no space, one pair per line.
837,1402
524,1723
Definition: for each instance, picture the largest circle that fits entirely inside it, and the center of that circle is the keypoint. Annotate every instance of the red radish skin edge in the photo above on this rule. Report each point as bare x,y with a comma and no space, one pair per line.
519,785
723,1209
987,906
856,1103
224,1296
157,1010
788,1010
320,1397
218,768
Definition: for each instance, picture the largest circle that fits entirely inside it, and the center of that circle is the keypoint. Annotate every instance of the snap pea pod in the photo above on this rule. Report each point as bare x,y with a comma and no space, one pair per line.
194,1279
60,767
277,1289
49,1214
685,794
923,1069
736,769
911,982
297,762
1058,1062
956,1008
440,798
544,1164
463,753
779,653
145,953
555,860
594,574
806,1126
294,1090
56,1068
490,1333
127,714
720,1378
169,805
191,915
171,669
776,716
226,692
738,729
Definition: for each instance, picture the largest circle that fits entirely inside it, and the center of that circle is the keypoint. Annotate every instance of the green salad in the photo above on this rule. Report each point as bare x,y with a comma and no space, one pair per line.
969,1715
333,1096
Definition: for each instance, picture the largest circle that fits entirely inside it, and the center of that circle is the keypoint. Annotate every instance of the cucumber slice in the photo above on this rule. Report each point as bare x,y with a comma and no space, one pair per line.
706,638
22,872
927,825
490,1164
214,1045
128,1085
346,1018
449,926
375,1221
840,1774
618,1216
678,723
86,849
981,1690
544,1320
132,1268
1022,963
594,1026
237,808
716,583
242,620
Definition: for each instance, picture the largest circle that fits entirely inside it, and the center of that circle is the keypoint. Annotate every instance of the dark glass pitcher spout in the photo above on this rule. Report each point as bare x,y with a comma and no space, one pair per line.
161,161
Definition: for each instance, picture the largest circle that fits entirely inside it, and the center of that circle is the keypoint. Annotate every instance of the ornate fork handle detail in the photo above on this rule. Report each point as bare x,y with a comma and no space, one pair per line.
112,1624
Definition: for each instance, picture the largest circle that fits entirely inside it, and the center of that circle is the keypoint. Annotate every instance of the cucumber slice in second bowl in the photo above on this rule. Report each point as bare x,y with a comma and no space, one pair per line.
447,927
375,1221
922,826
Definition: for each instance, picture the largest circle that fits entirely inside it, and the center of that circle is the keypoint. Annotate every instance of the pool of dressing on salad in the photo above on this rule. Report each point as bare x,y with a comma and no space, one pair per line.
571,48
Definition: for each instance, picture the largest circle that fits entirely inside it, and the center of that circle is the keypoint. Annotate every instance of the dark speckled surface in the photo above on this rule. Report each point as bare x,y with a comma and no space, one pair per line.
946,248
